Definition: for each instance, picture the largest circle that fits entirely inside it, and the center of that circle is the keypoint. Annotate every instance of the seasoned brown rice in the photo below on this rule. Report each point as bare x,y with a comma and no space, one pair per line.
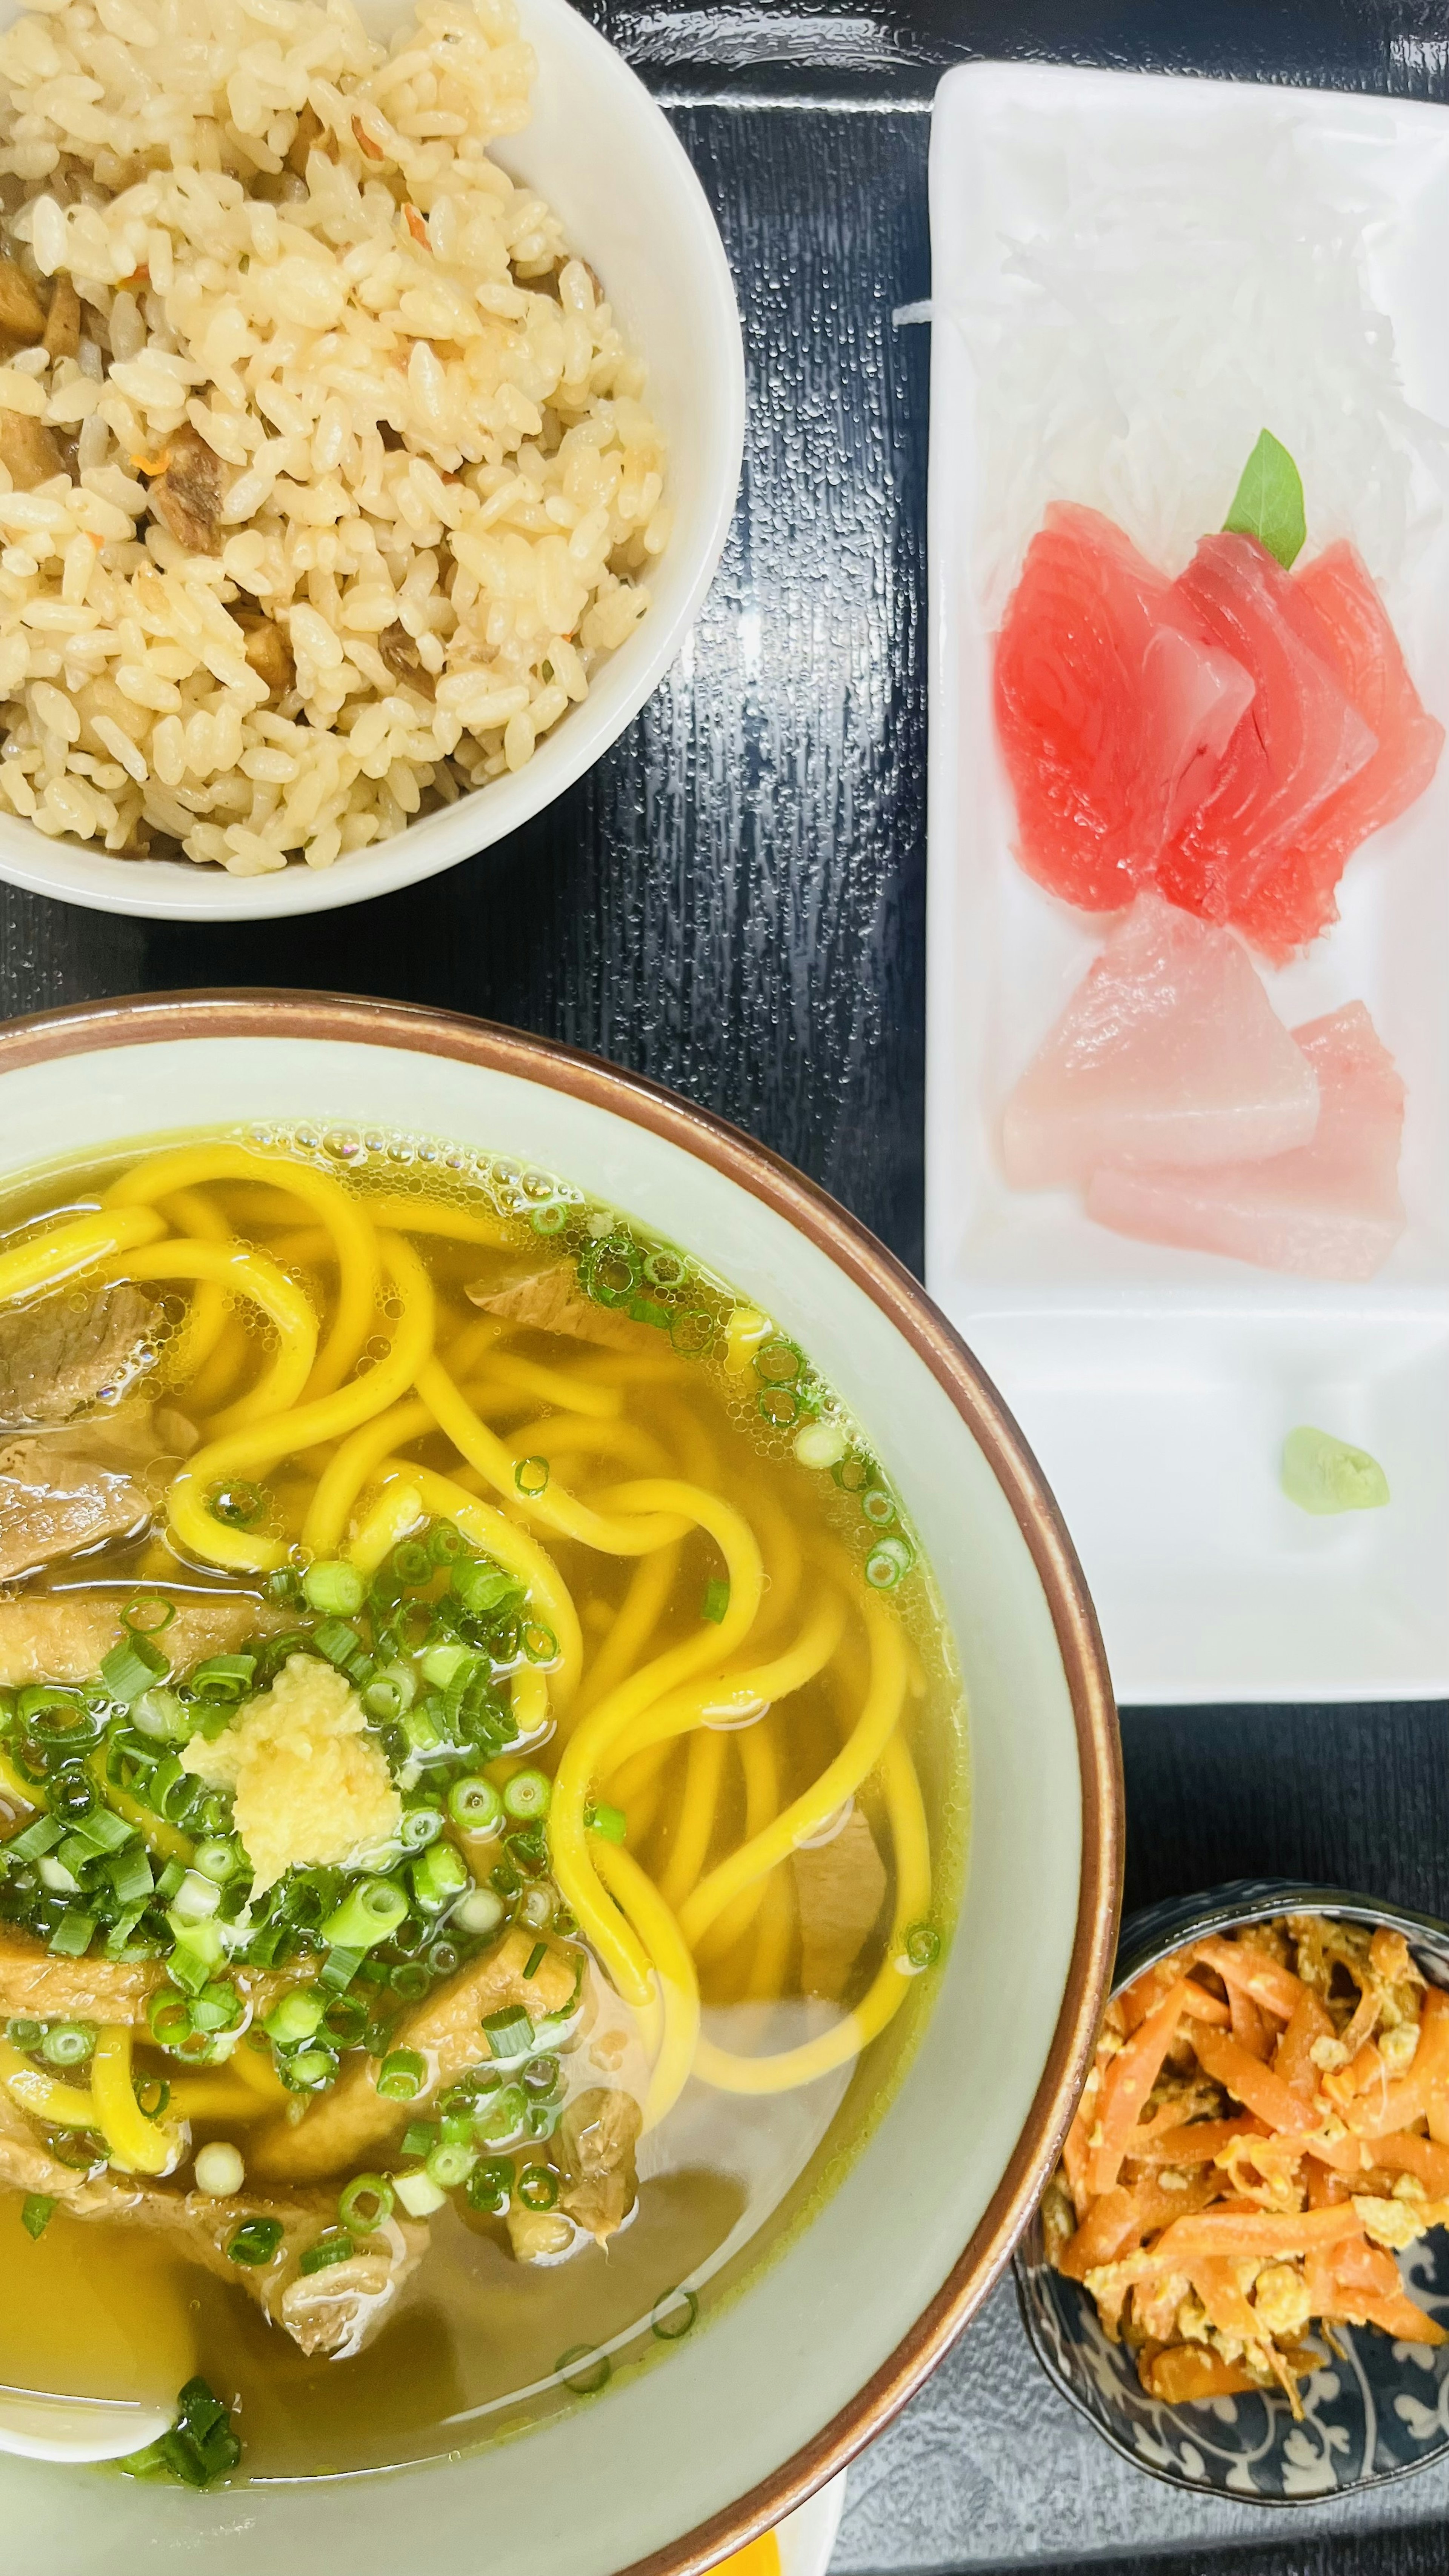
330,484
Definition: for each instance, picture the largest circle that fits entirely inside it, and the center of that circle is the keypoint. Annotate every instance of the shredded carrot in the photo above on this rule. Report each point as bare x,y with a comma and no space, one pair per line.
1128,2081
365,142
416,226
1244,2143
153,464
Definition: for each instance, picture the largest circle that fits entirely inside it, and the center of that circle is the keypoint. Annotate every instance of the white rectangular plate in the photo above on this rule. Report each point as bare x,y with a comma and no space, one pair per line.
1156,1386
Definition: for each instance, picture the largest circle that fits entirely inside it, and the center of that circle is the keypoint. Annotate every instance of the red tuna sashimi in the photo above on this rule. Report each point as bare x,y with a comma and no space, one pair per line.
1300,741
1332,1210
1169,1051
1113,708
1343,618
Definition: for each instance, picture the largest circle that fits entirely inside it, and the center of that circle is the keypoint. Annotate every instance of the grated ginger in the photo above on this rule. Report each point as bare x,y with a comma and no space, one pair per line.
312,1788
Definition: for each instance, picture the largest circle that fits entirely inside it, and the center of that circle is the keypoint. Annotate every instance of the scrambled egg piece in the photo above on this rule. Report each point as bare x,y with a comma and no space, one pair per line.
312,1788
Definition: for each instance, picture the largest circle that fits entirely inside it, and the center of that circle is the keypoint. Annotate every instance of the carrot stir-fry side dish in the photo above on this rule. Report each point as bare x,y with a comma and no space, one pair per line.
1265,2126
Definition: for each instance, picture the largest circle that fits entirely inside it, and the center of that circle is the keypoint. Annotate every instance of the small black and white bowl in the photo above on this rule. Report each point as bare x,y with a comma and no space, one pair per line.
1380,2413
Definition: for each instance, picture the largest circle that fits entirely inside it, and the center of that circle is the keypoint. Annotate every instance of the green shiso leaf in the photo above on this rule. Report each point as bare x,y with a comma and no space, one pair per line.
1268,503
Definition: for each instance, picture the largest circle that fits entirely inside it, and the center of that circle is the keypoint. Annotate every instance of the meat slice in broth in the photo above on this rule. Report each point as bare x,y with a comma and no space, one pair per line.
63,1354
549,1301
597,2138
841,1888
63,1491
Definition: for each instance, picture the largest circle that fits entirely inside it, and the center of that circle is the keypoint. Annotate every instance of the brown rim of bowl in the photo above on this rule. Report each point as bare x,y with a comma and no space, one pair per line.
157,1018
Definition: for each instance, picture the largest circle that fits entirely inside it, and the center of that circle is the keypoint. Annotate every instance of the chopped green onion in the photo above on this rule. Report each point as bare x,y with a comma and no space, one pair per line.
716,1599
411,1561
326,2251
36,1840
345,2019
420,2137
365,2205
479,1912
402,2075
219,1857
584,2369
923,1945
153,2095
440,1874
24,2032
538,2187
130,1876
485,1590
475,1804
162,1716
370,1912
168,2018
490,2185
131,1668
420,1826
337,1641
530,1475
386,1698
528,1795
611,1822
669,2322
536,1958
887,1562
448,1658
501,2114
103,1830
223,1678
200,2446
541,2077
69,2043
36,2212
311,2070
72,1935
255,2241
195,1901
338,1970
540,1645
509,2033
148,1615
334,1588
418,2192
450,2163
410,1979
295,2016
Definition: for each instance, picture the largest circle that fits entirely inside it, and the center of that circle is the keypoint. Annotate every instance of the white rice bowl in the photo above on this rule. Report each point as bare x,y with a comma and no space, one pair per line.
438,491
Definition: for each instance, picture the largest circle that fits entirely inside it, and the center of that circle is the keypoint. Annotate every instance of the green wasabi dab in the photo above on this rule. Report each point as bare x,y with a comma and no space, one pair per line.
1322,1474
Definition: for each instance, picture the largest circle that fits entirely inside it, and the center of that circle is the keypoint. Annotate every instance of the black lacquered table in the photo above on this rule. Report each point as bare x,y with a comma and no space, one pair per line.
734,903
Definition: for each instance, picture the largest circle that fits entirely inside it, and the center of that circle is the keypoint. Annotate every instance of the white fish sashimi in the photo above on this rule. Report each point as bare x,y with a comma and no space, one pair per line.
1330,1210
1168,1052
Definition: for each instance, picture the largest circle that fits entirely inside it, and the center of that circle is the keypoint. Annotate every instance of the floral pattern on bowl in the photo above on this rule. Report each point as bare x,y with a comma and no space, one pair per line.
1380,2413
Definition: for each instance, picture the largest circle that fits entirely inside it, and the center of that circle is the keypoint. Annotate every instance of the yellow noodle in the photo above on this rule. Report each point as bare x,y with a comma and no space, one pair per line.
80,1245
697,1815
725,1695
591,1748
431,1216
557,1510
760,1765
659,1935
554,1386
519,1551
398,1509
220,1370
888,1988
350,1467
137,2145
575,1435
191,1212
240,1274
357,1246
639,1613
528,1698
330,1417
838,1781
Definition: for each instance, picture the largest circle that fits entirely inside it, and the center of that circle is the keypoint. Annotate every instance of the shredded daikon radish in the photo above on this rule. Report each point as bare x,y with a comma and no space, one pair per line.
1159,298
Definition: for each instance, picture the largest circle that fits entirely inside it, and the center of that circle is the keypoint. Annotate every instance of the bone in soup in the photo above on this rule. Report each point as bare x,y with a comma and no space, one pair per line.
482,1794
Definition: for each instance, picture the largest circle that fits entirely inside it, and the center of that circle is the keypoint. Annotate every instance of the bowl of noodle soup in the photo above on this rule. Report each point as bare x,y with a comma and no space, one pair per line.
729,1839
